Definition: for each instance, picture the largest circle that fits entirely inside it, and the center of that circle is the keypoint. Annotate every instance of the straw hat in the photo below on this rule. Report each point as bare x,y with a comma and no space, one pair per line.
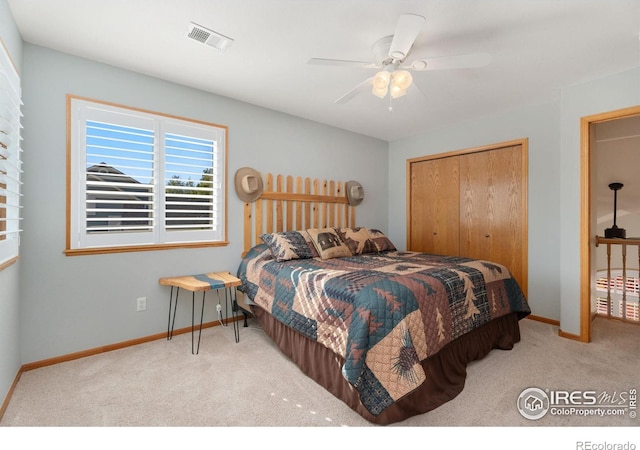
248,184
355,192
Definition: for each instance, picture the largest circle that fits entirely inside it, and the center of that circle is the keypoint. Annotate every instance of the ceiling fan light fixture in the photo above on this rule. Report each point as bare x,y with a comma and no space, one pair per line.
402,79
396,91
380,92
381,83
381,80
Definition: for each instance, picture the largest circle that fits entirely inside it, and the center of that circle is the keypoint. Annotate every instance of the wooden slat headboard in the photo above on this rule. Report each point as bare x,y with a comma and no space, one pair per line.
294,203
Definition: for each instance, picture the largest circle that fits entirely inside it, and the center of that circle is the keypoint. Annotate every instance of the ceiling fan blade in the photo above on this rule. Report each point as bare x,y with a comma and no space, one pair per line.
342,62
407,30
355,91
467,61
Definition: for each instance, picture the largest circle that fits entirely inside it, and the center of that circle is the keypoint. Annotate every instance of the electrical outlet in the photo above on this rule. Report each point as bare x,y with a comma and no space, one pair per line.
141,303
218,307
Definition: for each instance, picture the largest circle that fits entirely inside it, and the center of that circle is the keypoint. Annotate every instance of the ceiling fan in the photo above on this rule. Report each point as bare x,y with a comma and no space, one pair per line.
394,71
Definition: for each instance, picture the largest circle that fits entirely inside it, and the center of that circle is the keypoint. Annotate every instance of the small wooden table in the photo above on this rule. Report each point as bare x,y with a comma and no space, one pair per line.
201,283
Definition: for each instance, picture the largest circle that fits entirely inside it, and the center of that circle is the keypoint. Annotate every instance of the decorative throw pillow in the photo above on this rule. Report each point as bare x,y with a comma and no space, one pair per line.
312,247
381,241
287,245
358,240
328,243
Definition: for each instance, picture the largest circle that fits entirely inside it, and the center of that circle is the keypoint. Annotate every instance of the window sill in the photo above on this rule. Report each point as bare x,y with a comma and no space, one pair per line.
140,248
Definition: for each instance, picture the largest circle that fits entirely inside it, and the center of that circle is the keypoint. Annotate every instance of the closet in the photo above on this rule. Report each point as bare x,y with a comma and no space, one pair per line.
471,203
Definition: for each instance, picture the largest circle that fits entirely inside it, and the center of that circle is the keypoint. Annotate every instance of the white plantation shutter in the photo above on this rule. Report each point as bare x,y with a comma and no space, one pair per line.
116,201
140,178
188,205
193,181
10,159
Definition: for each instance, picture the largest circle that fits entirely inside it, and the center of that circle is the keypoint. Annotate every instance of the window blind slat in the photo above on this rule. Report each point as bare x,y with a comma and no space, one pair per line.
119,228
10,235
205,192
10,162
120,219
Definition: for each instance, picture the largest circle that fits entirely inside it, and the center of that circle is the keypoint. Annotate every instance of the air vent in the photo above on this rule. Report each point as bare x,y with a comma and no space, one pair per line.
209,37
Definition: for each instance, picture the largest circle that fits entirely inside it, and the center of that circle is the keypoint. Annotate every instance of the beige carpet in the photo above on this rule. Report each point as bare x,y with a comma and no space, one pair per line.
250,384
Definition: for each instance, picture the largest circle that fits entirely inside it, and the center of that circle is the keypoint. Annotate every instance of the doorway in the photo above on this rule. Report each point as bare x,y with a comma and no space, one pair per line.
589,227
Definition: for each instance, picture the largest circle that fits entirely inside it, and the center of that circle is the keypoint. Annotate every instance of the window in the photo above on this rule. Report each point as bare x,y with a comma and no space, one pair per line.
10,159
140,180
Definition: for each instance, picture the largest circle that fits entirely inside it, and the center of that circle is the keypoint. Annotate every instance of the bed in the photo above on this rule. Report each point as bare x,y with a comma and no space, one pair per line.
388,332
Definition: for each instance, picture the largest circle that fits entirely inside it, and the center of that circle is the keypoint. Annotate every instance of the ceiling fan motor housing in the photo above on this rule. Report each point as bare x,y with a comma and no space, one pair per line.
381,50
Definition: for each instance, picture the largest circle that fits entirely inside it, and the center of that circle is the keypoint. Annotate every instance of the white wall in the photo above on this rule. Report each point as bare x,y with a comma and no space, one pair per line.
10,359
81,302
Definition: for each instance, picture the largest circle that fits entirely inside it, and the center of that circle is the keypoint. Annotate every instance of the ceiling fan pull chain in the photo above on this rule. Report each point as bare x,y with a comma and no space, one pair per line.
390,107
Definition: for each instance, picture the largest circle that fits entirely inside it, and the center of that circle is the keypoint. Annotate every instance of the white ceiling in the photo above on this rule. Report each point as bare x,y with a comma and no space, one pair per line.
537,47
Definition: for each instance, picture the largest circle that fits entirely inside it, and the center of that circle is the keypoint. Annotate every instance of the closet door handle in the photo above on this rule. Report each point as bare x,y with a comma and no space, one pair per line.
486,235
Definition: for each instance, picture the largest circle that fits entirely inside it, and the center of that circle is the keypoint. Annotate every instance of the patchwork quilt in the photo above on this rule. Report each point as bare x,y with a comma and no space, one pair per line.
383,313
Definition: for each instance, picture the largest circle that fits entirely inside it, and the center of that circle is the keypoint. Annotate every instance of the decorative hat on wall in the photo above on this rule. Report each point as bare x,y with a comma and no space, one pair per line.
248,184
355,193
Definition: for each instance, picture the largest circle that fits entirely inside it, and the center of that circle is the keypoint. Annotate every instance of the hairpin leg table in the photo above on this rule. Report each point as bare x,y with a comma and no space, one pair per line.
201,283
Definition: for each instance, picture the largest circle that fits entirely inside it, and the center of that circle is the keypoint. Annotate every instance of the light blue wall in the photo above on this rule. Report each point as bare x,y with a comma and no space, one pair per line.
553,131
611,93
81,302
52,305
540,125
10,359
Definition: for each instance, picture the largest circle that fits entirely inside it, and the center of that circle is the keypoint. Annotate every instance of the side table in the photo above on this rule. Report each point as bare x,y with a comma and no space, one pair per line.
201,283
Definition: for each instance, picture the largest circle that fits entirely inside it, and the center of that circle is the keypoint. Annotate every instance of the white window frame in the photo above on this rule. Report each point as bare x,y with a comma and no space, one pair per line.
10,160
79,238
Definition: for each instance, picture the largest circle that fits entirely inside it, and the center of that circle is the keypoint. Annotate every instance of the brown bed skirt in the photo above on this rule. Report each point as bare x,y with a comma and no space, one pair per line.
446,371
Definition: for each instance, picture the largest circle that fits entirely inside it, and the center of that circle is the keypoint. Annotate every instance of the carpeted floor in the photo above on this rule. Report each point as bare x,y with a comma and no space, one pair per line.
250,384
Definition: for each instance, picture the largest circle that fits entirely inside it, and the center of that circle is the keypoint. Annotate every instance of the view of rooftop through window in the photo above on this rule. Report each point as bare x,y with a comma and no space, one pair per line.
130,151
124,175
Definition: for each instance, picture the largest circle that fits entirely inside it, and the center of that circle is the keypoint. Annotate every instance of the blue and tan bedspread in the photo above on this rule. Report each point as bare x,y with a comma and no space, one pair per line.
382,313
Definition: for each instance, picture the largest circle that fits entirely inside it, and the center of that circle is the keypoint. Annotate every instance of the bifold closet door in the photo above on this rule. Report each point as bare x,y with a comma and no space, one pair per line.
434,206
491,207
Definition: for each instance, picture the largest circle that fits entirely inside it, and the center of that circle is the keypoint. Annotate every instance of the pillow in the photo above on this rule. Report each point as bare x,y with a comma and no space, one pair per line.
328,243
358,240
287,245
382,242
312,247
